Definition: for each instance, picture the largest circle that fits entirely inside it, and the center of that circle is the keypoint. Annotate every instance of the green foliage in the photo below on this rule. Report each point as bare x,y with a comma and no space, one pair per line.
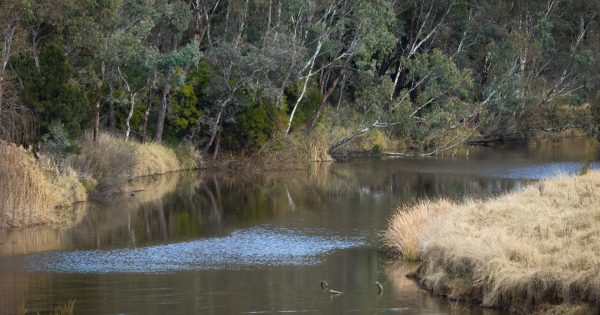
377,149
309,104
254,126
416,70
184,112
375,22
57,146
189,103
53,93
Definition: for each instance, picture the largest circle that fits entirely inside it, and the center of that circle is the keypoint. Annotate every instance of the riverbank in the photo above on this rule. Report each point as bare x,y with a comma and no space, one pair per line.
32,192
35,191
536,250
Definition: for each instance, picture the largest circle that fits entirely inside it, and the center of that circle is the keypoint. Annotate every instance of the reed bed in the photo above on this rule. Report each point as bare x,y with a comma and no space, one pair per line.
31,192
533,250
113,160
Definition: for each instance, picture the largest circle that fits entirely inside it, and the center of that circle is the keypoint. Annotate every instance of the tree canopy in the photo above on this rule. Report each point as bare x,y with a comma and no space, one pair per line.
234,74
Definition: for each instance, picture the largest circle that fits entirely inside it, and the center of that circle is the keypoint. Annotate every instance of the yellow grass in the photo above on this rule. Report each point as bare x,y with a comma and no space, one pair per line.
112,160
535,248
405,228
31,192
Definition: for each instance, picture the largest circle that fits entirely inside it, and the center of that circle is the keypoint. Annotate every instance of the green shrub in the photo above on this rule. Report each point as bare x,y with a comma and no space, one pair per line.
55,95
254,125
57,146
377,149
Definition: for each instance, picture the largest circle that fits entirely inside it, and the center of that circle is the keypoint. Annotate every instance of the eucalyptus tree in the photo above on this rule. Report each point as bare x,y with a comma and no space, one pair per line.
90,42
529,56
170,56
132,56
11,34
419,23
363,31
252,58
236,72
320,22
204,11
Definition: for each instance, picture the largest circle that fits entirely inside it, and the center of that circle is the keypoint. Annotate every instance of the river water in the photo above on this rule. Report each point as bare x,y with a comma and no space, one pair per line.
237,243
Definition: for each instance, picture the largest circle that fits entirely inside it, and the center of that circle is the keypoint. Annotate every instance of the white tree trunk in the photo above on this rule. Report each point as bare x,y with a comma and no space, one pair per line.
308,76
129,115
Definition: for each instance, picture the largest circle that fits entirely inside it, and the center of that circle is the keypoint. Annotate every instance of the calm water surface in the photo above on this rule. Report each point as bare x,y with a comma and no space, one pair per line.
235,243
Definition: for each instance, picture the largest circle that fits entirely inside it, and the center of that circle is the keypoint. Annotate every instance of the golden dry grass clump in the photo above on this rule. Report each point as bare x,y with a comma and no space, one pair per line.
31,192
113,160
534,249
405,228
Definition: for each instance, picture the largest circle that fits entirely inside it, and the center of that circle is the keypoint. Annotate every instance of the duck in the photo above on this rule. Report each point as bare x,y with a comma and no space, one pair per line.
325,286
380,287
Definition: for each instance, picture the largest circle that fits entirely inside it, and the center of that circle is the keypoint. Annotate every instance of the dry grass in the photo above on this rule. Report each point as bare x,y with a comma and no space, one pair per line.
65,309
525,250
31,192
113,160
405,229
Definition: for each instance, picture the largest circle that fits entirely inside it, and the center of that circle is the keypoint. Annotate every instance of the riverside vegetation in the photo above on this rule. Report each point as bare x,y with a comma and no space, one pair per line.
40,190
254,78
532,250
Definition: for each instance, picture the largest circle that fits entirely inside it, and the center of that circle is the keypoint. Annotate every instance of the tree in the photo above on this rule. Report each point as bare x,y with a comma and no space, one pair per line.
170,60
55,96
12,116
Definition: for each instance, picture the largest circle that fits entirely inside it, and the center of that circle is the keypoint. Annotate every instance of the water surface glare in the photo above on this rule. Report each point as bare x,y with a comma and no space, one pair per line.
254,247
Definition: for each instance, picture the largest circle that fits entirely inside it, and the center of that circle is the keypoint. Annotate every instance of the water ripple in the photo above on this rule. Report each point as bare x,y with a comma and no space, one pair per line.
250,248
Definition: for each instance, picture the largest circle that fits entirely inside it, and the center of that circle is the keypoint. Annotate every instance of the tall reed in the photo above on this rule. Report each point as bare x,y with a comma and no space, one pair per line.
31,192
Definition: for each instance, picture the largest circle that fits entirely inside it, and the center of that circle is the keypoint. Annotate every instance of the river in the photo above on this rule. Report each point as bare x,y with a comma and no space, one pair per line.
246,243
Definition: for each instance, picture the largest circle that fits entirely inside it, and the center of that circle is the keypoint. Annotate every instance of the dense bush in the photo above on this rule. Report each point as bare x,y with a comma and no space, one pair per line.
53,93
254,126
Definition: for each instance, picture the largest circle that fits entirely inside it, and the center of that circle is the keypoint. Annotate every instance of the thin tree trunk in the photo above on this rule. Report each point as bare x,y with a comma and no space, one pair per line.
111,107
1,89
226,31
217,124
162,114
8,38
484,77
145,125
34,46
339,102
397,87
308,76
215,130
203,16
129,115
269,17
217,145
97,122
385,64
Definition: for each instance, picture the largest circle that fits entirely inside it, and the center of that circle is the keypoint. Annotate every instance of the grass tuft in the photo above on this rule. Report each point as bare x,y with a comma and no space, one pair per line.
65,309
405,229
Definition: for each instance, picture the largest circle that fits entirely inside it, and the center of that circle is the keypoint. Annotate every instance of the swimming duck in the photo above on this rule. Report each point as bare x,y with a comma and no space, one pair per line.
325,286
